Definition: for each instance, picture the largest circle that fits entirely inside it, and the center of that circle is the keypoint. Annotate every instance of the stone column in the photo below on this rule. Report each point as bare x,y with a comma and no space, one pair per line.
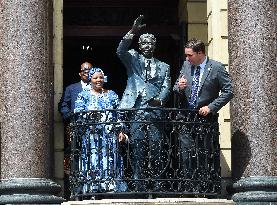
253,67
26,102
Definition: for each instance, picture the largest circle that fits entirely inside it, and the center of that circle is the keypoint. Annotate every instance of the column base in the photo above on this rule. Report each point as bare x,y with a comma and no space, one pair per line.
29,191
256,191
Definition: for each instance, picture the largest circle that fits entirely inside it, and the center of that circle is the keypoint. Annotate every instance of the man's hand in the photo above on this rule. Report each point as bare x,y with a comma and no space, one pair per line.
204,110
182,83
137,24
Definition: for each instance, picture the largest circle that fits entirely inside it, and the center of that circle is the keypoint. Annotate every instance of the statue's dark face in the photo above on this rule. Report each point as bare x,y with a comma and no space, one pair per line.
147,47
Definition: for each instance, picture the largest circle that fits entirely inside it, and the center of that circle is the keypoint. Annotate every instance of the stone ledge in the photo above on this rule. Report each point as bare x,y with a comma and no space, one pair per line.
157,201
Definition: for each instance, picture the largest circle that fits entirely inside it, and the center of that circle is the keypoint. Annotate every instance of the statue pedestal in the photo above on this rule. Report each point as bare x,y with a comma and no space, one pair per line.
29,191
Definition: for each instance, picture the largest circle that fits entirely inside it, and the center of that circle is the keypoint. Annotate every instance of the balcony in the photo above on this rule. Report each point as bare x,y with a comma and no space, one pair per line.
150,162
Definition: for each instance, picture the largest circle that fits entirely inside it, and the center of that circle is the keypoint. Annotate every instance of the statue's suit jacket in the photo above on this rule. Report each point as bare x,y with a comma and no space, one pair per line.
215,87
67,102
158,86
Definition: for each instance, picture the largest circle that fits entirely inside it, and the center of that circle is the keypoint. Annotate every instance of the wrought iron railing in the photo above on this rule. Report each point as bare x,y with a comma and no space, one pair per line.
151,160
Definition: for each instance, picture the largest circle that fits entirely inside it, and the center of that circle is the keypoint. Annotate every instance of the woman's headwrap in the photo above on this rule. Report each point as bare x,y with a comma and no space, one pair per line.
95,70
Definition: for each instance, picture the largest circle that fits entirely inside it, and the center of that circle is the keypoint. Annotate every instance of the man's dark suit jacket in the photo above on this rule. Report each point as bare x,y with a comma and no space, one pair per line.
215,89
67,102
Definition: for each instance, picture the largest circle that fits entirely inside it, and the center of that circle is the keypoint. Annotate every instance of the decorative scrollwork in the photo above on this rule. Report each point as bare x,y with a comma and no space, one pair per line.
154,159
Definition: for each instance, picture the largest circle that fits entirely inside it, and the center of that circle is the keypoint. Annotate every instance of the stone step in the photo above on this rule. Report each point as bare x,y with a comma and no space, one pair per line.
157,201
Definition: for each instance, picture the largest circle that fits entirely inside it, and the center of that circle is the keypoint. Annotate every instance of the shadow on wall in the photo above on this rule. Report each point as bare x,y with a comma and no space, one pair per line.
241,154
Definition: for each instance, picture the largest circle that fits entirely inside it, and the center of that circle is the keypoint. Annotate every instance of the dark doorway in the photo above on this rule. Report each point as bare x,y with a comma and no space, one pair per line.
101,24
103,55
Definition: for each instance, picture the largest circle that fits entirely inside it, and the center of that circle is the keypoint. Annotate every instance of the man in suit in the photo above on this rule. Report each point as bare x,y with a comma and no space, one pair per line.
147,87
66,108
203,85
67,102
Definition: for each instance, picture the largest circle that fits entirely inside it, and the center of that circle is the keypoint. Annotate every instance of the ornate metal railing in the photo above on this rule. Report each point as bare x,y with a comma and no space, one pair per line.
153,159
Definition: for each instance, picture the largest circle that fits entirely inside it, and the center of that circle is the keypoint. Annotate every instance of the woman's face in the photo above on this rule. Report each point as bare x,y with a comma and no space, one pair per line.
97,80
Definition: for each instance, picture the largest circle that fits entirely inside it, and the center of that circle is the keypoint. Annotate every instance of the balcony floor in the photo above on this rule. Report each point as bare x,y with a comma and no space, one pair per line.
157,201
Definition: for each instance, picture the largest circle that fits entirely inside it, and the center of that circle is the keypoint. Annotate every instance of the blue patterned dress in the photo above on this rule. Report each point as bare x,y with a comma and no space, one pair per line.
103,166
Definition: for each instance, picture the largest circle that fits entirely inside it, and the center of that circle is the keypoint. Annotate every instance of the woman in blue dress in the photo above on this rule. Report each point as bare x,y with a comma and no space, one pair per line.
100,164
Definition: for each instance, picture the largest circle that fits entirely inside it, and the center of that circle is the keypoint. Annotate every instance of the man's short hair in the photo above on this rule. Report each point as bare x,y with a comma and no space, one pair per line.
86,66
147,35
196,45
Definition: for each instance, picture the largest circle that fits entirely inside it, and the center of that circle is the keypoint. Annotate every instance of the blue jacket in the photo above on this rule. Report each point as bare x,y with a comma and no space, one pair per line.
67,102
